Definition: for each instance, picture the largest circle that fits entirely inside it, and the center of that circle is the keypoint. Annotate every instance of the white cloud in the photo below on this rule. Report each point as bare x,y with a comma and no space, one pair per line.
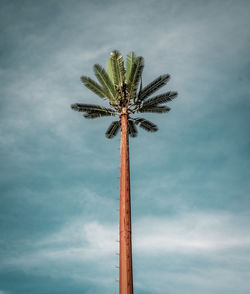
191,233
4,292
170,250
83,242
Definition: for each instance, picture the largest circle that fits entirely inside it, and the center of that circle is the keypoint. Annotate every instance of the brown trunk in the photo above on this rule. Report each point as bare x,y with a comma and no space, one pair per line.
126,273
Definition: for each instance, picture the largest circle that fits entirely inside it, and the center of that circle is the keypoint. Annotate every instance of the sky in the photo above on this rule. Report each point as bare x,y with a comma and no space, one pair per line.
189,181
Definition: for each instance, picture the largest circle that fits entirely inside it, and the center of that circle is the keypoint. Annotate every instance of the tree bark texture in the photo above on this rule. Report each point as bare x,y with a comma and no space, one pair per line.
125,262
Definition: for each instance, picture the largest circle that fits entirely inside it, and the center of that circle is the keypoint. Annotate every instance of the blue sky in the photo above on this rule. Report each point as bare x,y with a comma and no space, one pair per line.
190,181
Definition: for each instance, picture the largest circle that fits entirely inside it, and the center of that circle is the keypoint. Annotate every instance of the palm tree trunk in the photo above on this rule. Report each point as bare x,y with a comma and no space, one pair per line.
126,273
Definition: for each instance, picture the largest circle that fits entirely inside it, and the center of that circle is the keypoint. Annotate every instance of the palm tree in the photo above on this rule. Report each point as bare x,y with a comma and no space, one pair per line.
122,88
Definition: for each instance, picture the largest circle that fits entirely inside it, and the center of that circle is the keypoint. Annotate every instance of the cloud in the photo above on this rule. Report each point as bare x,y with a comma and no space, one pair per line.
4,292
187,234
189,250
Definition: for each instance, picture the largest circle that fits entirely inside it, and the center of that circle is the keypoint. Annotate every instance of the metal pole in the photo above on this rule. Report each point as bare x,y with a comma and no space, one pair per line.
125,260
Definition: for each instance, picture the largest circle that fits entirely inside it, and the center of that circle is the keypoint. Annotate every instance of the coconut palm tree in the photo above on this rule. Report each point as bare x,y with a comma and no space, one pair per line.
122,88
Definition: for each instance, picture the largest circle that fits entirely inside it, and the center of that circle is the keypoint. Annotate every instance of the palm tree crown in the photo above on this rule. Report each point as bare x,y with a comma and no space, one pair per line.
122,88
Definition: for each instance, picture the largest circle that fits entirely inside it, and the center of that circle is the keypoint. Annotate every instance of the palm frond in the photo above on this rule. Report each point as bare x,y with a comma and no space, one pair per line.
155,109
159,99
139,93
154,86
137,98
96,114
131,59
132,129
117,67
109,69
104,79
113,129
91,108
146,124
135,76
93,86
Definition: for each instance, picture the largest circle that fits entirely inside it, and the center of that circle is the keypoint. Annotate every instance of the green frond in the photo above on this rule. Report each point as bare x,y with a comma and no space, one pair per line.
155,109
135,76
109,70
104,79
137,98
122,70
117,68
159,99
146,124
93,86
91,107
96,114
113,129
131,59
132,129
154,86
